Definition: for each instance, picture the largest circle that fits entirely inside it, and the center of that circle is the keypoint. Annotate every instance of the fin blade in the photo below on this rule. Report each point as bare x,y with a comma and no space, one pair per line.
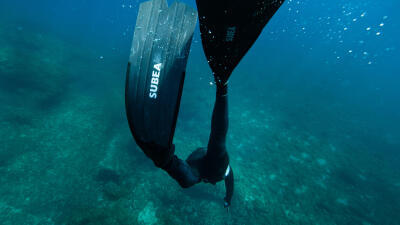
229,28
156,70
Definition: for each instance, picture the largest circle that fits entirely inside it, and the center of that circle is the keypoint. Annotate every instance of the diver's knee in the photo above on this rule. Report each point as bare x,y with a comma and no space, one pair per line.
161,156
182,173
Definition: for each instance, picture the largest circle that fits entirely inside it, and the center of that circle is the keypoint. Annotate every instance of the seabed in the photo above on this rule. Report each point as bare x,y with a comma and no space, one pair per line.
67,155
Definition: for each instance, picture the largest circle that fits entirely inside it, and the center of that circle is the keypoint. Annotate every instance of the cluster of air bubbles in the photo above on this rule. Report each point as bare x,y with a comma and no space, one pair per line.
348,30
294,8
376,29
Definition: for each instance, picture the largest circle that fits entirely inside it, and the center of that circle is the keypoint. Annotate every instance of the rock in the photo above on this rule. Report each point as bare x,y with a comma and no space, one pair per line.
148,215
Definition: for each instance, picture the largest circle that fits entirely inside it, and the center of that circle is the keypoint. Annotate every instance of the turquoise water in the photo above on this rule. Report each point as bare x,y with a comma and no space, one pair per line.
314,133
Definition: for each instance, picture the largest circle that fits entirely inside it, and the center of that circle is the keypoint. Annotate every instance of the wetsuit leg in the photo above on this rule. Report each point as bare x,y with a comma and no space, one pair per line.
219,123
181,172
212,166
217,158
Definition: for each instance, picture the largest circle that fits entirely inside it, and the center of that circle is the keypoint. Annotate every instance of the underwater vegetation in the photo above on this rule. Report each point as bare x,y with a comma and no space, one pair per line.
67,155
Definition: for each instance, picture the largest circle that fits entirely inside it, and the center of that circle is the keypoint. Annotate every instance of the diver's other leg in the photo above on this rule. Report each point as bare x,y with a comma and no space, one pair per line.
219,122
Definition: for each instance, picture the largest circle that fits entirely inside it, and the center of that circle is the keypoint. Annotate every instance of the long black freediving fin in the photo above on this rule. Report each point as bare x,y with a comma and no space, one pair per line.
155,75
229,28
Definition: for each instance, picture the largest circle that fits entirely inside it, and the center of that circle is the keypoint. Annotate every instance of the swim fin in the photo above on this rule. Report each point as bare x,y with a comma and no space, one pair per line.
155,75
229,28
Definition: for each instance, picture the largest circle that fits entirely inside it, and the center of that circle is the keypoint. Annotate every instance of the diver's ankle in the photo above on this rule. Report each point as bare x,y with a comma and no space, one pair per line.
222,89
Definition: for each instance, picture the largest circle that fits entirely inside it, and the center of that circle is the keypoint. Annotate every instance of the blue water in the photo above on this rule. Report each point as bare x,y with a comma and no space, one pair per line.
314,133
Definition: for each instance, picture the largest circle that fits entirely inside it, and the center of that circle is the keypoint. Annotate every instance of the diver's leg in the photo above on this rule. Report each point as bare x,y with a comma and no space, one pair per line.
169,162
181,172
219,122
174,166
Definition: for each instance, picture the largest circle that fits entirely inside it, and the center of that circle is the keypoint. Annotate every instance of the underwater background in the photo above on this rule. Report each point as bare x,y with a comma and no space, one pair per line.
314,133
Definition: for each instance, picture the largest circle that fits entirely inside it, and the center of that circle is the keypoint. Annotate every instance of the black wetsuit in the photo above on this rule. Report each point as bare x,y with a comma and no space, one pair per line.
210,164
